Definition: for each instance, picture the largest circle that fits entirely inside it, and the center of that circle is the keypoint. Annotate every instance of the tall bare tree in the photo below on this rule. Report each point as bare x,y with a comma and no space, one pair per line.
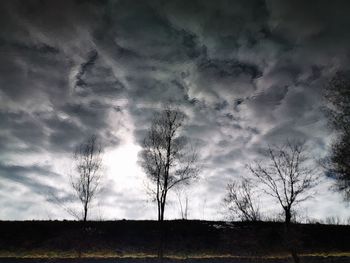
337,94
166,157
241,201
87,177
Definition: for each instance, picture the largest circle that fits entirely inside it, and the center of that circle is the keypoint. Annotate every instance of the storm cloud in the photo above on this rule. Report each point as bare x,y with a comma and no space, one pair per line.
246,73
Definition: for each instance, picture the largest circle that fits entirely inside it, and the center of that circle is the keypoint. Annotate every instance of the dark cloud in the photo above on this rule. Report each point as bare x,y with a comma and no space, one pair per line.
246,73
29,176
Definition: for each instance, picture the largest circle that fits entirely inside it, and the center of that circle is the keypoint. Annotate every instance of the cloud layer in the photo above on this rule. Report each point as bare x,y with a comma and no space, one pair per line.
247,74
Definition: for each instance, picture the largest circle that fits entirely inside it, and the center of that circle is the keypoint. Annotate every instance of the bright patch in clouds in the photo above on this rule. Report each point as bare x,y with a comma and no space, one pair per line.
121,164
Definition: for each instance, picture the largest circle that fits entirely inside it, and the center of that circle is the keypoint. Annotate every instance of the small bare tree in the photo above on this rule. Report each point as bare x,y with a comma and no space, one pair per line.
166,157
183,204
86,180
240,201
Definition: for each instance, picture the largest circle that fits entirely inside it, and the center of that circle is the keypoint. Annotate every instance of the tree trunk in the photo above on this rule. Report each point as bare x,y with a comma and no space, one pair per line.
158,211
161,229
161,233
288,216
289,235
85,213
162,209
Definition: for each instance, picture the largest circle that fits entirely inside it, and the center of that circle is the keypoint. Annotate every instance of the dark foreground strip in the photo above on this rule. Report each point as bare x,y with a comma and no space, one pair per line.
166,260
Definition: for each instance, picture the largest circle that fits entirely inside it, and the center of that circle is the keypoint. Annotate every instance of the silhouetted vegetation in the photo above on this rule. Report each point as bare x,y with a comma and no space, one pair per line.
241,202
337,93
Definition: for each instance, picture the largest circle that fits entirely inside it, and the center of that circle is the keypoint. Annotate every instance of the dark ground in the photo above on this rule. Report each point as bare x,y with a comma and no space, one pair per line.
182,239
213,260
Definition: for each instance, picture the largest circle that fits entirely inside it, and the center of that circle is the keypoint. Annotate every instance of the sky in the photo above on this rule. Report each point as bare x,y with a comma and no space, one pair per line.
246,73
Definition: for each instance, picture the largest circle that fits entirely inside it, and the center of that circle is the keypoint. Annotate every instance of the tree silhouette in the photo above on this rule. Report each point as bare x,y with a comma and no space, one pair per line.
287,176
241,202
337,94
166,157
86,180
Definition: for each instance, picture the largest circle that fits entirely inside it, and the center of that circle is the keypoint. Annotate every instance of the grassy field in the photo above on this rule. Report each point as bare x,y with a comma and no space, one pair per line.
192,241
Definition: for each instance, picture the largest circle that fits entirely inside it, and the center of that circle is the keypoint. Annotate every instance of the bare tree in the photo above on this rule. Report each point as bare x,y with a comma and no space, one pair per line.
166,157
337,94
288,176
183,204
240,201
86,180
